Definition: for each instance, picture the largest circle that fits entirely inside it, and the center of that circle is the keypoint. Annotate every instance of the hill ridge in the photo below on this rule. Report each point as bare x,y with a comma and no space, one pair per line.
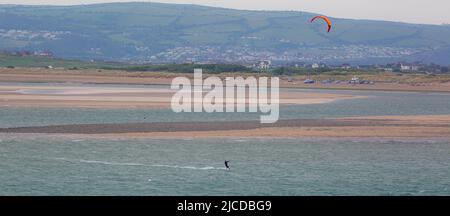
161,32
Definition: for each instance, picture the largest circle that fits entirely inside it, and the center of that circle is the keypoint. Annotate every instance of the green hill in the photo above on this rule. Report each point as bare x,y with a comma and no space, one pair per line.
159,32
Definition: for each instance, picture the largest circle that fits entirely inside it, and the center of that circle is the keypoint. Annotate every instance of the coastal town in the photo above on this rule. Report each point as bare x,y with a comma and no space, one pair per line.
268,65
245,54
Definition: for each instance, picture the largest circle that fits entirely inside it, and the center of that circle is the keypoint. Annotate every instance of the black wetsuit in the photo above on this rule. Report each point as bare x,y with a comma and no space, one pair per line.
226,164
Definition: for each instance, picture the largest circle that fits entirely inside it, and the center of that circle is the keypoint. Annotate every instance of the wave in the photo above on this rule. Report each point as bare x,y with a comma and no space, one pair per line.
189,167
98,162
111,163
78,140
140,164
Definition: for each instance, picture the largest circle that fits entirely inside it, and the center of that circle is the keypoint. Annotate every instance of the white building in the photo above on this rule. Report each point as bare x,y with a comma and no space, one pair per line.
409,67
315,66
264,64
405,67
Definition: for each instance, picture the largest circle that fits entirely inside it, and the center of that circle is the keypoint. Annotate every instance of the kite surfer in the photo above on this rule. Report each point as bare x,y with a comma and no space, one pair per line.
226,164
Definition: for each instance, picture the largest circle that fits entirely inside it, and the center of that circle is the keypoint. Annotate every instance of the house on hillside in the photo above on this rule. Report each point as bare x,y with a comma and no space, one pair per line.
315,66
45,53
346,66
409,67
264,65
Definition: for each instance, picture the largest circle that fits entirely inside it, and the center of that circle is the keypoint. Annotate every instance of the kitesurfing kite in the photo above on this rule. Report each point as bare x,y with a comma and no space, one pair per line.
324,18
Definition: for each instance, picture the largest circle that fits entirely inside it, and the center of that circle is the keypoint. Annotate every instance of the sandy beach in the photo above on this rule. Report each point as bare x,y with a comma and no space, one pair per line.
377,126
71,93
157,78
123,97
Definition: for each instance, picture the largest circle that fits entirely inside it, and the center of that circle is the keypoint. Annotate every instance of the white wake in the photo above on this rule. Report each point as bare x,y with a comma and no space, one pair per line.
139,164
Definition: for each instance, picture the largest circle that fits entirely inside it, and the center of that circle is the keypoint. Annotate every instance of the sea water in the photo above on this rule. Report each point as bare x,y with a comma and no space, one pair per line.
80,165
368,103
65,165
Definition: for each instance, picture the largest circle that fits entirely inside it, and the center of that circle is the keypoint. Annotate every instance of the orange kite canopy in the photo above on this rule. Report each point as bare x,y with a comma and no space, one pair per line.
326,20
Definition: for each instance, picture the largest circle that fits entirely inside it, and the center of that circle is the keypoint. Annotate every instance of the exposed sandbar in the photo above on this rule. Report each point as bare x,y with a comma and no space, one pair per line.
386,126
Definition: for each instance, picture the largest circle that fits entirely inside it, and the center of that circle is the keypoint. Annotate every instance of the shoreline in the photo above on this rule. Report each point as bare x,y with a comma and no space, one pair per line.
433,126
15,93
129,97
89,76
304,87
117,137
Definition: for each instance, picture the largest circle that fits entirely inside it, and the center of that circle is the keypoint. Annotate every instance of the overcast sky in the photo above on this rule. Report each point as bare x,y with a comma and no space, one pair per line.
412,11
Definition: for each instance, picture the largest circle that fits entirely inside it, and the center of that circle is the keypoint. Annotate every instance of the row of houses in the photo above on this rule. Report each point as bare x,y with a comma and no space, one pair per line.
392,67
416,67
45,53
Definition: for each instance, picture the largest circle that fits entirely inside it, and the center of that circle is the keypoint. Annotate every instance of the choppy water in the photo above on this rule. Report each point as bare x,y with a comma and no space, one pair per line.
39,165
76,165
